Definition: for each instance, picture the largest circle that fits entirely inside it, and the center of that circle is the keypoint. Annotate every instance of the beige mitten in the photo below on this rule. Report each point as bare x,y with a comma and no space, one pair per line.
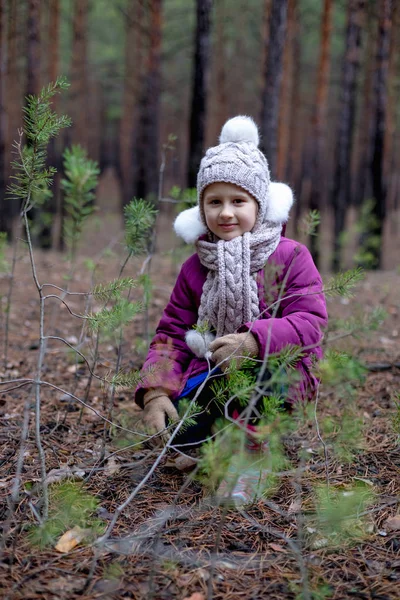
235,346
157,406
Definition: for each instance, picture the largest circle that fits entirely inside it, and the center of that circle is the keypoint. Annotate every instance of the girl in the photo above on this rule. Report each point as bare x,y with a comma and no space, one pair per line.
226,288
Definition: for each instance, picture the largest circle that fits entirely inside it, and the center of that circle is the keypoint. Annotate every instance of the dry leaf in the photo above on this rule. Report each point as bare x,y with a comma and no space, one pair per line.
276,547
393,523
195,596
366,481
112,466
184,463
70,539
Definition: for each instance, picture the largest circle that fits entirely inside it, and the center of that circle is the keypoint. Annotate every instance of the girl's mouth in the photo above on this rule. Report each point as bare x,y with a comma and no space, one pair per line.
228,226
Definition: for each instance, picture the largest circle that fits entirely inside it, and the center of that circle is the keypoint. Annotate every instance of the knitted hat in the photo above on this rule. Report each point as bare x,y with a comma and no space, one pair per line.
237,160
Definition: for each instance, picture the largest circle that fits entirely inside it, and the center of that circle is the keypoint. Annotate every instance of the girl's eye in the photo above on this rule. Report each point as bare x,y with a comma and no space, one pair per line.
239,201
214,201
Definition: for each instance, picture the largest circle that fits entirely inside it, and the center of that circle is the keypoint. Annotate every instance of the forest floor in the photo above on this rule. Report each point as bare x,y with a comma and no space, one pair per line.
169,545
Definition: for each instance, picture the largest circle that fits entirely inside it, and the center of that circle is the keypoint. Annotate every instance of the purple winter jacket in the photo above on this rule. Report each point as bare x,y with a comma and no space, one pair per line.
300,320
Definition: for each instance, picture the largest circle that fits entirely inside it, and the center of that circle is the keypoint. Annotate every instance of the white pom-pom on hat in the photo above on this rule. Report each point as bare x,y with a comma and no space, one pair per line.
240,129
279,203
189,226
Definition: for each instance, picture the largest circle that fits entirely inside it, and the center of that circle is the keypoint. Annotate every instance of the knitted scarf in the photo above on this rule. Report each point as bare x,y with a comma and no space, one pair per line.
230,295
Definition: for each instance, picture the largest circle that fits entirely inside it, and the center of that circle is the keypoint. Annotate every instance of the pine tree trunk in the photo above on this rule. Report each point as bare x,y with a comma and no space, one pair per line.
286,93
389,163
79,105
54,158
5,216
33,49
53,41
351,65
296,129
364,135
13,94
33,86
272,82
380,92
148,154
131,96
265,27
199,89
219,59
318,174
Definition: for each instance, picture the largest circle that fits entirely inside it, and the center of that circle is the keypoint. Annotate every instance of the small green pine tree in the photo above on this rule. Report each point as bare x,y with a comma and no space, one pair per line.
81,179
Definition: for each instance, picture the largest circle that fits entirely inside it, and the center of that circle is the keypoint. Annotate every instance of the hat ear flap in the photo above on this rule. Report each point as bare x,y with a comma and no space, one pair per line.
189,226
280,201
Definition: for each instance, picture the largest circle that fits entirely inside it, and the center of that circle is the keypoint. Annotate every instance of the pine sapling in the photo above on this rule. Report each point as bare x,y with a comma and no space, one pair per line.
41,124
78,185
111,320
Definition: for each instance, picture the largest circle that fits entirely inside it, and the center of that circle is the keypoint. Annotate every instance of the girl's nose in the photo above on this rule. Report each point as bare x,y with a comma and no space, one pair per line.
226,211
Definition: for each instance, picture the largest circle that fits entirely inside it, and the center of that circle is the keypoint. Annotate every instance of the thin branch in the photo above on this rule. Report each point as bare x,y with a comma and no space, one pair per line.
65,304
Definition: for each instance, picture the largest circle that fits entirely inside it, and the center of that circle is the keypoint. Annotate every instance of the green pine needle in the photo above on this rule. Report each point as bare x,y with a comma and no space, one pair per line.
81,178
140,218
310,223
194,409
40,125
109,320
125,379
70,505
342,284
112,290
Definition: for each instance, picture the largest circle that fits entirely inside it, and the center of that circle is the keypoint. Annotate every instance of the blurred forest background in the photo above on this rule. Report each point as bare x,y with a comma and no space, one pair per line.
158,78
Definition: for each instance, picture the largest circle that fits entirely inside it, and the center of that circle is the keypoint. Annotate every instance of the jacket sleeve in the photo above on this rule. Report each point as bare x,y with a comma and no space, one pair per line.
301,314
169,355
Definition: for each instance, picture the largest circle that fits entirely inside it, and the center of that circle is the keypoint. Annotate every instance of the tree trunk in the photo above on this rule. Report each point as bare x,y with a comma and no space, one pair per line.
53,41
5,216
351,66
380,93
13,94
33,48
272,82
389,158
130,101
364,136
296,128
199,90
79,105
54,156
147,181
286,93
265,27
317,162
220,98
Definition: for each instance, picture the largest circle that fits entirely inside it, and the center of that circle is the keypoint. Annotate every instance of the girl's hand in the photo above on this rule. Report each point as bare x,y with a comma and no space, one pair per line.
234,346
157,407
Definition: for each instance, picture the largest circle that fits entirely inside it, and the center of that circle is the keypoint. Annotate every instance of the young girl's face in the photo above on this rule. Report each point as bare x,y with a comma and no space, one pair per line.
229,210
